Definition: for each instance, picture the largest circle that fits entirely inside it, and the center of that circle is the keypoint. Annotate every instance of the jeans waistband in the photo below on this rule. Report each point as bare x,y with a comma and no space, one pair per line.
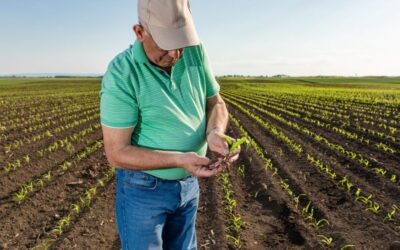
122,171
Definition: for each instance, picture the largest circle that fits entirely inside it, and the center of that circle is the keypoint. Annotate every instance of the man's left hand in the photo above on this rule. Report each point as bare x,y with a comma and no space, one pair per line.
219,147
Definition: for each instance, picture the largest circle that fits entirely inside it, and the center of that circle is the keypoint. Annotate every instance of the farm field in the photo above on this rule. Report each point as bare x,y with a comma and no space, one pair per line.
322,170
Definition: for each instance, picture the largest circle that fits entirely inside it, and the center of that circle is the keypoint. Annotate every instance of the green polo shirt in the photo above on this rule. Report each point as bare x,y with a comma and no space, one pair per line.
167,111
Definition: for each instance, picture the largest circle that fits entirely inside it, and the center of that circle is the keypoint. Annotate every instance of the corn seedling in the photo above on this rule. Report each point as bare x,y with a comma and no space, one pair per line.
317,225
327,240
27,158
236,240
305,209
65,165
358,194
47,176
101,183
366,199
237,222
241,170
39,182
380,171
374,207
93,191
233,145
348,186
76,208
389,216
85,202
347,246
297,199
44,245
20,195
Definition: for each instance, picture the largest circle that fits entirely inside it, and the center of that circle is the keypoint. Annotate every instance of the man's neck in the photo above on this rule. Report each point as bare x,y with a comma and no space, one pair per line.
166,69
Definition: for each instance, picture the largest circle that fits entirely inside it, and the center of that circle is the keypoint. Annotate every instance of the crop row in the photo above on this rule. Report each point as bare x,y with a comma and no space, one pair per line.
306,116
40,118
337,107
82,203
41,109
64,143
50,133
343,181
236,222
32,186
300,200
382,130
37,127
364,161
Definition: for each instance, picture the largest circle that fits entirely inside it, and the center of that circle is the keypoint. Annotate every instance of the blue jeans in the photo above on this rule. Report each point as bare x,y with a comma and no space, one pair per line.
153,213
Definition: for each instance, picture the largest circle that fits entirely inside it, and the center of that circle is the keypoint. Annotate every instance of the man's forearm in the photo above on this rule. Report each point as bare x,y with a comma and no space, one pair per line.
217,117
138,158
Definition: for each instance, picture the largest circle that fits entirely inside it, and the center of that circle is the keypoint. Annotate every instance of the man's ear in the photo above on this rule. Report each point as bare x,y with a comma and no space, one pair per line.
139,31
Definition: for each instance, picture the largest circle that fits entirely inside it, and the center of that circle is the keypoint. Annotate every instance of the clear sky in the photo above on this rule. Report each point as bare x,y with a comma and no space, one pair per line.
255,37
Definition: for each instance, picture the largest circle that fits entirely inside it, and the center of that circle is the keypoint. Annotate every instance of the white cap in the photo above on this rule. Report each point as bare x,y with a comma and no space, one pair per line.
169,22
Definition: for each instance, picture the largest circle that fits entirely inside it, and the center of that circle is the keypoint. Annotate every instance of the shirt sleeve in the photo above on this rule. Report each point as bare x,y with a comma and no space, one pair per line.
118,104
212,86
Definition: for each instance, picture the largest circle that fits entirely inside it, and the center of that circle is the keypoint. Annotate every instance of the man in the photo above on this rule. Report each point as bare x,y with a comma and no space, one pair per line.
160,108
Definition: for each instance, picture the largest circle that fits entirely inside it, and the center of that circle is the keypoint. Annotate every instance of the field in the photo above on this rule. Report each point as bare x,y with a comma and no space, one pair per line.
322,170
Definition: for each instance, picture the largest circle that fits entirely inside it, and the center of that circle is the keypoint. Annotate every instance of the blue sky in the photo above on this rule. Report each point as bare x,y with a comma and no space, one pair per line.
295,37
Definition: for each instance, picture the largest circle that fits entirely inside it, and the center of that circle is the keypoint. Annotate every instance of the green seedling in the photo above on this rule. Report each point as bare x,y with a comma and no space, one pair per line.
297,199
236,240
101,183
20,195
346,246
306,209
317,225
237,222
47,176
76,208
358,194
27,158
39,182
389,216
233,145
366,199
241,170
327,240
374,207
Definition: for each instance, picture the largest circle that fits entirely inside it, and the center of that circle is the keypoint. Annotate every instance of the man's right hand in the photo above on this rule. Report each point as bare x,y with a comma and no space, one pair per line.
197,165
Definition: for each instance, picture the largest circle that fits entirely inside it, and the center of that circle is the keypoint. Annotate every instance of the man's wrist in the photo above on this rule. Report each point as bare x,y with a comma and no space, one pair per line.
216,129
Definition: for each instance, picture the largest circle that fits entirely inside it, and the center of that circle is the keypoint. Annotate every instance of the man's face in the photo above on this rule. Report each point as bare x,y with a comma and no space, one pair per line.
158,56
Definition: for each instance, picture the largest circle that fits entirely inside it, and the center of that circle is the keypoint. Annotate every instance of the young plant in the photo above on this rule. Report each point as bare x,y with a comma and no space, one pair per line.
389,216
233,145
327,240
374,207
297,199
318,224
236,241
347,246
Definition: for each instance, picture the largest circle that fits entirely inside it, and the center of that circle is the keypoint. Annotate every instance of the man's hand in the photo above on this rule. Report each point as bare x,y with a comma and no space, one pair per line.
216,143
196,165
220,148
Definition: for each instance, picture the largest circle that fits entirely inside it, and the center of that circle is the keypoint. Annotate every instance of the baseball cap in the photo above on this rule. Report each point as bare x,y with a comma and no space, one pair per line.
169,22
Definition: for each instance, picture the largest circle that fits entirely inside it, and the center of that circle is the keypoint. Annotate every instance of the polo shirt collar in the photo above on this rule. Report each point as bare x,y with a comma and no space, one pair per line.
138,53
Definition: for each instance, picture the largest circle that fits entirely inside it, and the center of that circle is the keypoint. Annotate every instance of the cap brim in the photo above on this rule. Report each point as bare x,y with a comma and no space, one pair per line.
169,39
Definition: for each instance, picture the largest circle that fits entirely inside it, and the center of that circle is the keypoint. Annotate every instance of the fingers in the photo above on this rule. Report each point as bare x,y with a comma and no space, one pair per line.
202,160
234,158
221,150
203,171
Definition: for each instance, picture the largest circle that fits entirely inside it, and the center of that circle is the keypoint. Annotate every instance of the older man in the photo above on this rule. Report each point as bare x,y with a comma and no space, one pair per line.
160,108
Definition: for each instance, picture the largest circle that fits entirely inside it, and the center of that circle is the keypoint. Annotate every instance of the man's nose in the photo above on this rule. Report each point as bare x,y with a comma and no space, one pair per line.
174,53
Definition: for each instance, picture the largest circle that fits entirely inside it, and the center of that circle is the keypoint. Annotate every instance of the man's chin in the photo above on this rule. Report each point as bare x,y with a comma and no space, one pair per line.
168,64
